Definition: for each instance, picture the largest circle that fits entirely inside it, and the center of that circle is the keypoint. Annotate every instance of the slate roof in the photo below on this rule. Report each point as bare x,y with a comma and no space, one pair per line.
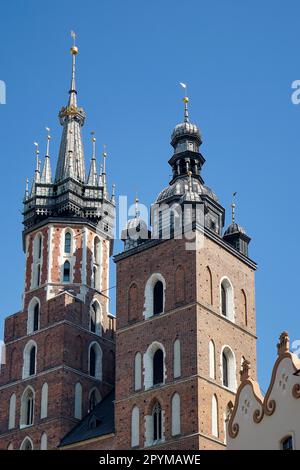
97,423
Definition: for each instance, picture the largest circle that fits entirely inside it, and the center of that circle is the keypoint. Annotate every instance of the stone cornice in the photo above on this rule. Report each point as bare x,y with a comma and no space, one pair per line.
209,233
174,383
179,309
54,325
53,369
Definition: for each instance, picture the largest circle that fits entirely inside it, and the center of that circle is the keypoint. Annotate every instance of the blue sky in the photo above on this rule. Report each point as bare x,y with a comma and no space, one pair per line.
239,59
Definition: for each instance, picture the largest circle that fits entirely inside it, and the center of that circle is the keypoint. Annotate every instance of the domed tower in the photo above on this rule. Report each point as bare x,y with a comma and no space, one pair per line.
136,230
187,184
186,314
236,235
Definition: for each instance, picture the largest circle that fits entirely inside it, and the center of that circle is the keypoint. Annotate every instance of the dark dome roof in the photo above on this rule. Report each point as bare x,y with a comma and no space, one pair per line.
181,187
134,226
234,228
185,128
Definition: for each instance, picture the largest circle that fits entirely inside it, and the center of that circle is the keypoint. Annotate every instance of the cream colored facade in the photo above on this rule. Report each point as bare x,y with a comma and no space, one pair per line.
272,421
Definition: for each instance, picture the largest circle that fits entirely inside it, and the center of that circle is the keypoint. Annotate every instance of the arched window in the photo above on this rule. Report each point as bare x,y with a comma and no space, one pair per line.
138,371
92,362
214,417
158,367
135,427
33,318
209,286
154,295
68,242
95,318
287,443
66,271
44,440
226,293
154,367
39,244
225,370
94,283
157,422
212,360
38,275
228,368
27,407
29,359
132,302
78,401
95,361
27,444
176,424
97,251
44,401
223,300
37,257
97,262
36,317
94,398
176,359
244,306
12,412
158,298
32,359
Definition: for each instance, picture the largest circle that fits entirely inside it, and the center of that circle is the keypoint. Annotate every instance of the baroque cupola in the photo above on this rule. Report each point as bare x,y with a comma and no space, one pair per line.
235,234
187,188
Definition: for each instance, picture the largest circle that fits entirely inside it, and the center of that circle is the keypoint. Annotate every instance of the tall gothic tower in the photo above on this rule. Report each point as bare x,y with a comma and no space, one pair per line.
186,312
60,346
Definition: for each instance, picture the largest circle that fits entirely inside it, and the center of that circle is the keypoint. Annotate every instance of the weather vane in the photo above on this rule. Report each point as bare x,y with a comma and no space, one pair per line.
185,100
233,206
73,36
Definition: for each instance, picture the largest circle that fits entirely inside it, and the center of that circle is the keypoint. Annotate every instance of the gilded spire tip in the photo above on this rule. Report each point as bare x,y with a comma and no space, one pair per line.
74,48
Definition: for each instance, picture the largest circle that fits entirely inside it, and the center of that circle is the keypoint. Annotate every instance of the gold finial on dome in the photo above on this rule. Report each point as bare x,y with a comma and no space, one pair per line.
185,99
74,48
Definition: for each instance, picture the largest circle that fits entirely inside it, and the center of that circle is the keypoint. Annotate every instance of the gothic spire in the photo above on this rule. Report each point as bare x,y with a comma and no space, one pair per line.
72,119
46,173
93,177
104,154
37,173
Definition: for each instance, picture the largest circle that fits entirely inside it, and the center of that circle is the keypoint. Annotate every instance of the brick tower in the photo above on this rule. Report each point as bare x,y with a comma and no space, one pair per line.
60,346
186,313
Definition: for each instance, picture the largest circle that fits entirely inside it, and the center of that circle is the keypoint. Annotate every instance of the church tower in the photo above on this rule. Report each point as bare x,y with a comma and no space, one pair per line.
186,312
60,347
